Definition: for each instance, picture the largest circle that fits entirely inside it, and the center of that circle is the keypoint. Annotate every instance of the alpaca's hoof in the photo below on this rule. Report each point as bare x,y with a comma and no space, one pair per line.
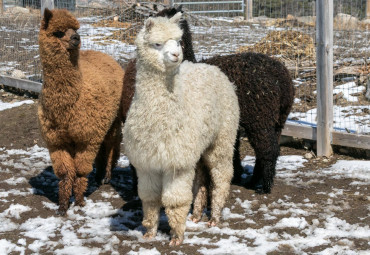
102,181
149,235
106,180
258,186
81,203
195,219
213,222
175,241
262,188
61,212
261,191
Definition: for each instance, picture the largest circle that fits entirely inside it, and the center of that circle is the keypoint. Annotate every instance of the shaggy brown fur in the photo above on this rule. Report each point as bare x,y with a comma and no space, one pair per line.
79,105
265,92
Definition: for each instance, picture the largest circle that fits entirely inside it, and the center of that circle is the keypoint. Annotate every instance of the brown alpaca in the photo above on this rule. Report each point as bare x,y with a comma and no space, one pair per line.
79,106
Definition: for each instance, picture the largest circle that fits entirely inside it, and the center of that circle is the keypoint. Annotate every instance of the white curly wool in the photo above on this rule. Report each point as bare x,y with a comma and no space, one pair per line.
180,113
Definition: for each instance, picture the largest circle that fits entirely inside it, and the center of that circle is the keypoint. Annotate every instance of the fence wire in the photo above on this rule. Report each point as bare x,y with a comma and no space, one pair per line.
284,29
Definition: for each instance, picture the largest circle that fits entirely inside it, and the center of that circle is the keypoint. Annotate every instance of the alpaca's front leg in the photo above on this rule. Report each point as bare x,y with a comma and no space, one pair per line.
176,198
151,211
79,188
149,189
64,169
84,159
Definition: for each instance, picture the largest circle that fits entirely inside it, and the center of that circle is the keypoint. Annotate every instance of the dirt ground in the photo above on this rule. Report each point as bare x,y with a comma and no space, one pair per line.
19,130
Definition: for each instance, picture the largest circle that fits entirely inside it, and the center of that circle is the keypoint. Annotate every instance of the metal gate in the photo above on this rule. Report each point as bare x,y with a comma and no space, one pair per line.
208,7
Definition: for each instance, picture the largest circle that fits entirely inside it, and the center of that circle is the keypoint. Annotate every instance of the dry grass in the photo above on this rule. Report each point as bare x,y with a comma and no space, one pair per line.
292,22
112,23
289,44
126,34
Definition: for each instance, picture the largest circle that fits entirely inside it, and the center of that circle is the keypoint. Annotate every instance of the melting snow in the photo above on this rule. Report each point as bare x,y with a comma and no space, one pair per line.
5,106
100,222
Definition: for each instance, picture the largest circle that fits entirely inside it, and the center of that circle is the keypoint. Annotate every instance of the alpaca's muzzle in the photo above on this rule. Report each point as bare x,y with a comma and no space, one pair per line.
75,40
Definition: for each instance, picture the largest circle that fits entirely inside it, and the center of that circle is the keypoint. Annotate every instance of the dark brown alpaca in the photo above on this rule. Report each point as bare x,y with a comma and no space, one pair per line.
79,106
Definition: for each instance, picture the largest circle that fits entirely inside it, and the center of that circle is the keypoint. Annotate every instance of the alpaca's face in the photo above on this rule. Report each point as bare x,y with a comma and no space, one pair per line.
169,52
59,29
69,40
158,43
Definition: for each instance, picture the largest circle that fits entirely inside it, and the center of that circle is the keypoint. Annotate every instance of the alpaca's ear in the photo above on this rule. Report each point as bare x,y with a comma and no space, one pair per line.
149,24
176,18
179,8
47,16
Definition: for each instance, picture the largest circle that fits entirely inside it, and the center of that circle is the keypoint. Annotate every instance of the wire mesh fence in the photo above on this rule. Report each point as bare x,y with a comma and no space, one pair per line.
284,29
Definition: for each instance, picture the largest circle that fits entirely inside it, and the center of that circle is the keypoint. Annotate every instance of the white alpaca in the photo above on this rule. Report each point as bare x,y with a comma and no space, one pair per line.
180,113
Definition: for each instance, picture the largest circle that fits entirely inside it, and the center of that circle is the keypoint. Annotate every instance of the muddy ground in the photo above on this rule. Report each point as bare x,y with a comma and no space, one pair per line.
19,130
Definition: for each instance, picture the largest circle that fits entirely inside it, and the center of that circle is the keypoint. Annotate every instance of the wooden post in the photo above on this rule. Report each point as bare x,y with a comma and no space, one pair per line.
368,9
1,6
248,9
324,74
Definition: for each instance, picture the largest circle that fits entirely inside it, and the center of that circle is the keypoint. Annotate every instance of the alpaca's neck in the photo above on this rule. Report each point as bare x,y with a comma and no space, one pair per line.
61,71
150,78
62,79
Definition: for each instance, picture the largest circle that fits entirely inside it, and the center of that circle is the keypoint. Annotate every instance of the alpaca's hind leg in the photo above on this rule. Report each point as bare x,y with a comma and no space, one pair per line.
221,175
101,164
108,154
134,180
83,160
238,169
200,190
267,151
64,169
151,211
219,161
176,198
149,189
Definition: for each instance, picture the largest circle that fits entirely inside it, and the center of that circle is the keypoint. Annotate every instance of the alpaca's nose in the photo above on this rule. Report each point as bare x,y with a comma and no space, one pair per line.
75,37
175,54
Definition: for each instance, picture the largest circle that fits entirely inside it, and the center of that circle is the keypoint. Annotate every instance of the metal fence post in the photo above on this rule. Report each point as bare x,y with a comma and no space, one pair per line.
313,8
46,4
324,74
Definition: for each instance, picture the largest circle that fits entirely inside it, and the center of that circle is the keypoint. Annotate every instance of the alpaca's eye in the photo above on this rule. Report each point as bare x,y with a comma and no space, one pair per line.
58,34
157,45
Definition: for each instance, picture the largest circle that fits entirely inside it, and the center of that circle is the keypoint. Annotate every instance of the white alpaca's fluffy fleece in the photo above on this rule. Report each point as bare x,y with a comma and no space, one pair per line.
180,113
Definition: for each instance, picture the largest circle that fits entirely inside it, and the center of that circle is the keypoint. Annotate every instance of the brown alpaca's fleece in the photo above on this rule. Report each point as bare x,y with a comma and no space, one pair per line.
79,106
